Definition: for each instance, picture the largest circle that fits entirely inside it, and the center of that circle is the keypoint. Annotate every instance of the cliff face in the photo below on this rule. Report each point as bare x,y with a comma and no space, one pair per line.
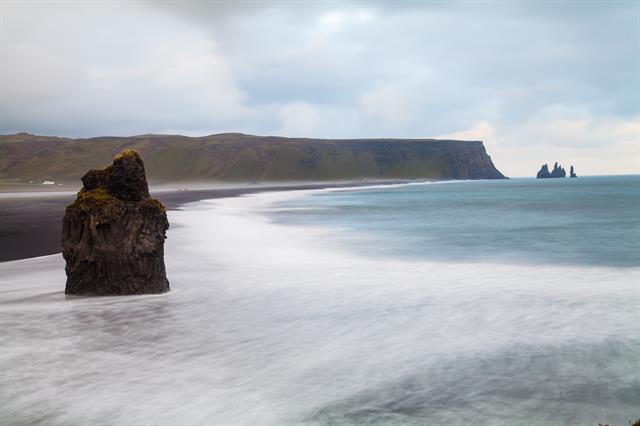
113,234
246,158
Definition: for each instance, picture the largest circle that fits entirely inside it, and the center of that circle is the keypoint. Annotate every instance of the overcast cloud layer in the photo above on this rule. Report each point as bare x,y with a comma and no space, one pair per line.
537,82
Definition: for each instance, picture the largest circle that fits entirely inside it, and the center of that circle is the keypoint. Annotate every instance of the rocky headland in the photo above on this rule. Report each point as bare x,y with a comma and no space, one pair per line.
235,157
113,234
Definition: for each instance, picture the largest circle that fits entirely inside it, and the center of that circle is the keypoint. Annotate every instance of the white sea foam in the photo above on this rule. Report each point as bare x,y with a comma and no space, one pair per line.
279,324
36,194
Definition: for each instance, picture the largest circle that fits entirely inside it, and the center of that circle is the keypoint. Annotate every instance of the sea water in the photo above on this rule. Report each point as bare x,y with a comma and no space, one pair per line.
489,302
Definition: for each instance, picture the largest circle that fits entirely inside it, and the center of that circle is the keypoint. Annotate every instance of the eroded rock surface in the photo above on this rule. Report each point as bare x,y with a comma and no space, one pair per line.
113,234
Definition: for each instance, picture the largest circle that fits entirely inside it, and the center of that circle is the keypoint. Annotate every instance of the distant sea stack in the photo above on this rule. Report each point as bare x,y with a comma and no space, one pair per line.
235,157
572,173
557,172
113,234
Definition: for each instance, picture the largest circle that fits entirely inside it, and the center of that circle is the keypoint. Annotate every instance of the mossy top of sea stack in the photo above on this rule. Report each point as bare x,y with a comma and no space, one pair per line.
113,234
125,179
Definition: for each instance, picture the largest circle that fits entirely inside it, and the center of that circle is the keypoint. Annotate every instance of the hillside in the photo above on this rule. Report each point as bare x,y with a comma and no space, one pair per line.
234,157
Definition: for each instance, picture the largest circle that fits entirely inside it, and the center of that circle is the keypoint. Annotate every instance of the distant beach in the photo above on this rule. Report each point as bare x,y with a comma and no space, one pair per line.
31,220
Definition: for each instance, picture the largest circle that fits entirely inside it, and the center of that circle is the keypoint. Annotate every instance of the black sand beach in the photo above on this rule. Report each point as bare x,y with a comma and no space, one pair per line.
30,226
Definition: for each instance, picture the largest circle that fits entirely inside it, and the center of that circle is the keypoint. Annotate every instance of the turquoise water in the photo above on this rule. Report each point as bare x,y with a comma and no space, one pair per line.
584,221
466,303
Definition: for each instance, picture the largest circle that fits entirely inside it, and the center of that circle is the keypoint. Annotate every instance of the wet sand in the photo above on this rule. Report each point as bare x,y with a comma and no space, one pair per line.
31,223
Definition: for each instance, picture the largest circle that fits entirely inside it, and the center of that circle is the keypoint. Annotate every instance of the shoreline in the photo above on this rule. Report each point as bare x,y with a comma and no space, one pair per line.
31,223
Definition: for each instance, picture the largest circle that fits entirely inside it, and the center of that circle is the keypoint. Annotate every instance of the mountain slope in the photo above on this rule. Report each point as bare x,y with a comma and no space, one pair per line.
239,157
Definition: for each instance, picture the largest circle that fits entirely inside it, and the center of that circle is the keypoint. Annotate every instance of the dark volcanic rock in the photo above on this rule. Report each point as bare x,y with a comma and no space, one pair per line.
544,172
557,172
113,234
572,173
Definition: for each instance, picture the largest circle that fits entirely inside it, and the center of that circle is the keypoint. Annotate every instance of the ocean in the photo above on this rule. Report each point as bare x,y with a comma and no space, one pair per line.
511,302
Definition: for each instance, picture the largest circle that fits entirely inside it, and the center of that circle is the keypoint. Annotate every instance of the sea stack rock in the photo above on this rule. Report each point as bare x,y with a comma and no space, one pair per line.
543,173
557,172
572,173
113,234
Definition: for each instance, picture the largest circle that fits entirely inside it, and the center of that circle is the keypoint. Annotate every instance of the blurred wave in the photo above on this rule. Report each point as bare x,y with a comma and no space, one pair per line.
276,322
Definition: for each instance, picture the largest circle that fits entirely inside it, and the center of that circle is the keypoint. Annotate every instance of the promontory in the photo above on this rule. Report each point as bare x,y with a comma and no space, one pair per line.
235,157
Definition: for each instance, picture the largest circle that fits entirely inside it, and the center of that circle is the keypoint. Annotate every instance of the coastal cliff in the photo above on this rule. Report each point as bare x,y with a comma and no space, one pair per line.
113,234
234,157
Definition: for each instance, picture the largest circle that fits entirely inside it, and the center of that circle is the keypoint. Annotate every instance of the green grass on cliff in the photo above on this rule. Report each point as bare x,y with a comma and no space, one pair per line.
245,158
97,201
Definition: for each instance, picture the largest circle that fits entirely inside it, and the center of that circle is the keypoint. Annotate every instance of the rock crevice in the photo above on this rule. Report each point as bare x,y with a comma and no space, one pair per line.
113,234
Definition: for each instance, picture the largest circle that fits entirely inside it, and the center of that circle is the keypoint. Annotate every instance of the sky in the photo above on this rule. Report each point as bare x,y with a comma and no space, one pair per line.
538,81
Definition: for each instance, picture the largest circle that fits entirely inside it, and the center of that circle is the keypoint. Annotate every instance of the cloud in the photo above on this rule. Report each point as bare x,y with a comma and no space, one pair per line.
118,80
481,131
397,103
533,80
298,119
